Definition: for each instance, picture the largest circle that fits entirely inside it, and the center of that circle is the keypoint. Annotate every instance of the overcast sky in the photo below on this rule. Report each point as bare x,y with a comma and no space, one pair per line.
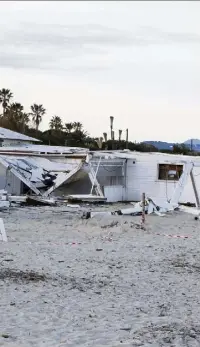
86,61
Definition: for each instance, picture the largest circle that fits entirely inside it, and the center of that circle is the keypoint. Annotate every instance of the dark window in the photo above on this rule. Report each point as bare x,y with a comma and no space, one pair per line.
169,172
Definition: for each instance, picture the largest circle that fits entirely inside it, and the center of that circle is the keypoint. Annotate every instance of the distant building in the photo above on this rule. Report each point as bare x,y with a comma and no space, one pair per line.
12,138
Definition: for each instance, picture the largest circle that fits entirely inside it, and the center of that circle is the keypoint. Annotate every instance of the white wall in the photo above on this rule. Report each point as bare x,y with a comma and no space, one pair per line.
114,193
142,176
9,182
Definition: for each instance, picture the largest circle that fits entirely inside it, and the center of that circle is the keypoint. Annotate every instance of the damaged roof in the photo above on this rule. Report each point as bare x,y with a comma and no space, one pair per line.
41,175
44,149
13,135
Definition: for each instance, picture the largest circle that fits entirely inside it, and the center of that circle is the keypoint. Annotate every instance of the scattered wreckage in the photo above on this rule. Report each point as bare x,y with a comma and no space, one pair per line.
42,177
137,210
153,205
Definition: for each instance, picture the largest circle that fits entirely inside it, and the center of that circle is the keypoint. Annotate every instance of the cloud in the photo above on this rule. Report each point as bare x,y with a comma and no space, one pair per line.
70,47
67,37
156,35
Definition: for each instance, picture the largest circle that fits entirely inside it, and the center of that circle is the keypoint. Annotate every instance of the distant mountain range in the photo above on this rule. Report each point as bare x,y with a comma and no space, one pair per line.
195,143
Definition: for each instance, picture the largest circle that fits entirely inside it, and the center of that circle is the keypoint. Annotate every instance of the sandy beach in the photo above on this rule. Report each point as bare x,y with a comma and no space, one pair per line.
65,281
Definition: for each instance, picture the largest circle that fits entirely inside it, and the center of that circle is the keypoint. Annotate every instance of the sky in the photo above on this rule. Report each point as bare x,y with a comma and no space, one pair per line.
138,61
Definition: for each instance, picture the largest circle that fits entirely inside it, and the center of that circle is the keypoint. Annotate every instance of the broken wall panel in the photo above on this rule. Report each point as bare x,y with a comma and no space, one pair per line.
9,182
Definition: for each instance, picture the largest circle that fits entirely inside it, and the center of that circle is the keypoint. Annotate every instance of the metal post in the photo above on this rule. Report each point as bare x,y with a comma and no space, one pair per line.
143,208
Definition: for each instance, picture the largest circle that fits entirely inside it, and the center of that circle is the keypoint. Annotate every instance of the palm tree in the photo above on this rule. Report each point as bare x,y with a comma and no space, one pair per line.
37,111
69,127
15,107
77,126
56,123
5,96
15,117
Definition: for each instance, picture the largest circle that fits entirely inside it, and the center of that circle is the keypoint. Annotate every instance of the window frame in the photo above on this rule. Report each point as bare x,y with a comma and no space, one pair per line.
170,165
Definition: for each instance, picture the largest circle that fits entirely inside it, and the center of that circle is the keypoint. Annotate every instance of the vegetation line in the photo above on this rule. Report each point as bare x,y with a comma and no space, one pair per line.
71,134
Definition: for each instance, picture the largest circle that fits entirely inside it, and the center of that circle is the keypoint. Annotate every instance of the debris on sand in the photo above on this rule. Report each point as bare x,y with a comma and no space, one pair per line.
170,334
21,276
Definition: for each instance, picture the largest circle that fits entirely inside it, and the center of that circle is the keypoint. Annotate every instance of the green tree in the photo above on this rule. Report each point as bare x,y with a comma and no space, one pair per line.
68,127
15,118
5,97
37,111
181,149
56,123
77,126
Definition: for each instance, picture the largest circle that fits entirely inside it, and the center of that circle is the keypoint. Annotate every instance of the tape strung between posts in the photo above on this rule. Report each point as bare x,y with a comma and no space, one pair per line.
174,236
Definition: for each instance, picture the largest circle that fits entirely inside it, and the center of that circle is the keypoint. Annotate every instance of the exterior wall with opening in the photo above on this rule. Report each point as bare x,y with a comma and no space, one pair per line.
157,175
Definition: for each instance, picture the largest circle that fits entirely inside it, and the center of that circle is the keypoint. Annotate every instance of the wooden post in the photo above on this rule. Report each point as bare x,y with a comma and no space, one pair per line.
195,189
143,208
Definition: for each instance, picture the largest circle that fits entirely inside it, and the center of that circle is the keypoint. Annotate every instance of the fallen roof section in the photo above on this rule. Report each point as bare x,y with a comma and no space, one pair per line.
41,175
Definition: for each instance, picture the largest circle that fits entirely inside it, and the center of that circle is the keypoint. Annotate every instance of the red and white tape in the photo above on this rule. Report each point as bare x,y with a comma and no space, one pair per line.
174,236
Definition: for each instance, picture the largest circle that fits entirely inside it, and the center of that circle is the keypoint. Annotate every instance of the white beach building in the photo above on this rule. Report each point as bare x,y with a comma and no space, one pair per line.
12,138
120,175
125,176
